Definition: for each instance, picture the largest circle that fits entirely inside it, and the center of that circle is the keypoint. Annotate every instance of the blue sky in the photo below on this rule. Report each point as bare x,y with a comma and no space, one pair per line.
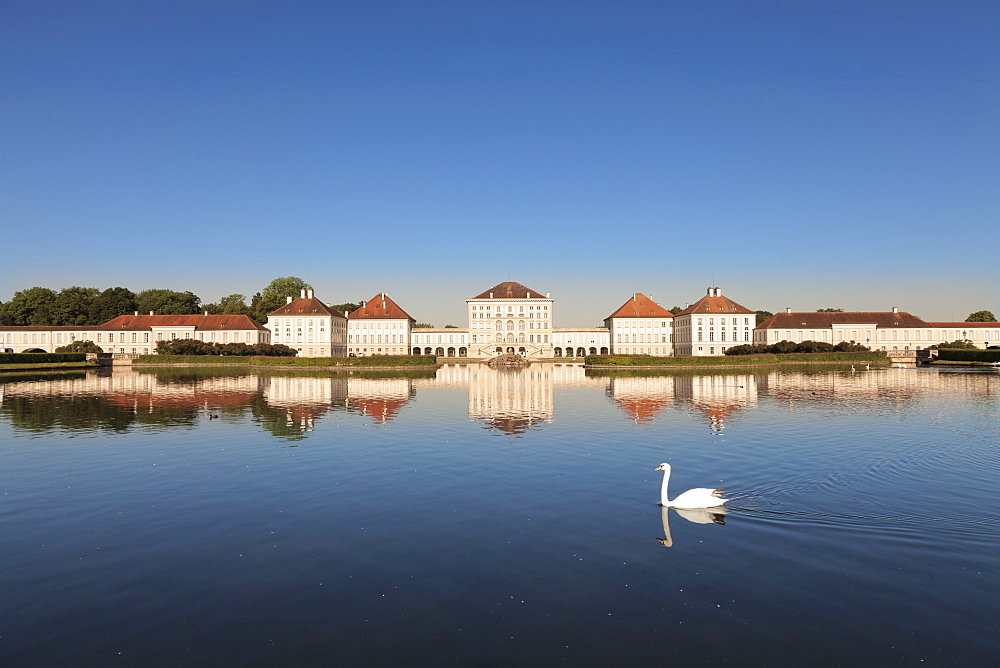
802,154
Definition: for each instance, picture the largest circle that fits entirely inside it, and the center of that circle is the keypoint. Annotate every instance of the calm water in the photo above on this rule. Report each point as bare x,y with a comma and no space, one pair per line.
476,517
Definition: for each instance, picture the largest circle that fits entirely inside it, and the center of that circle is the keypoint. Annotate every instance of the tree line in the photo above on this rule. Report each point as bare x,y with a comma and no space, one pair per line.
79,306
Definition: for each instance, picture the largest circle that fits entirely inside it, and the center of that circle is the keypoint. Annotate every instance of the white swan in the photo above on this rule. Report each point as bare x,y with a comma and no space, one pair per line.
699,497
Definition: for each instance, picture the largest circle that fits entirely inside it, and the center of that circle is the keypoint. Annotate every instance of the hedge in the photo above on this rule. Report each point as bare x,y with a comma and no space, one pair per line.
216,360
648,360
741,360
964,355
35,358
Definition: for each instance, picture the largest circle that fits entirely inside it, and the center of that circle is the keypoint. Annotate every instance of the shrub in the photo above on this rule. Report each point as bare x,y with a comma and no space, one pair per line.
789,347
196,347
84,346
963,344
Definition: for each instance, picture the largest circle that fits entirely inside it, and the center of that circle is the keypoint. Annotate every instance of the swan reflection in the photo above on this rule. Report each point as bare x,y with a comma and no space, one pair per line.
696,515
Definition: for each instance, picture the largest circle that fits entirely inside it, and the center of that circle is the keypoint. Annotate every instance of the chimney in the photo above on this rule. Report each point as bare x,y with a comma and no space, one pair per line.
310,293
895,309
136,313
151,313
302,293
206,312
288,299
788,309
546,295
491,295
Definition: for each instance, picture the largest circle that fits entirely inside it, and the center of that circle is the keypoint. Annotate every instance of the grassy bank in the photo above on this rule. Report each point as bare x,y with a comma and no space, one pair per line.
259,361
961,363
41,366
767,359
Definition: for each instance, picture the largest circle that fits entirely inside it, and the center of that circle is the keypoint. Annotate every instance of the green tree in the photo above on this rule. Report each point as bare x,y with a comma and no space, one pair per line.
676,309
73,305
451,327
112,303
168,302
347,307
424,324
981,316
829,310
234,304
273,296
763,315
960,344
30,307
82,346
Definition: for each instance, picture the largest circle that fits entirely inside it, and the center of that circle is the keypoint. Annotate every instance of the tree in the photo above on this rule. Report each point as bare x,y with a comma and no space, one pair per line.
347,307
960,343
273,296
829,310
234,304
850,347
424,324
81,346
112,303
981,316
450,327
763,315
73,305
168,302
676,309
30,307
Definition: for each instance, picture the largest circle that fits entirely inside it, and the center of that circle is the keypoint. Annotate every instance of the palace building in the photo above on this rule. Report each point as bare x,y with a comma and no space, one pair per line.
379,327
509,318
712,324
137,334
309,326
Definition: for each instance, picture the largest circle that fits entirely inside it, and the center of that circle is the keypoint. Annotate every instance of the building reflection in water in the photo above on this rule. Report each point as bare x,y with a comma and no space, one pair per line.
512,401
508,402
716,398
642,398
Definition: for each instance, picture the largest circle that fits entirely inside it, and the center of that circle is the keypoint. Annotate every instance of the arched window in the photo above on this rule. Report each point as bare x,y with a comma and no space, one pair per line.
510,325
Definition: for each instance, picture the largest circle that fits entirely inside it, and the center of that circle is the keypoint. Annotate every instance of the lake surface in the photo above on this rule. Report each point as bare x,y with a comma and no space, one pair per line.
470,516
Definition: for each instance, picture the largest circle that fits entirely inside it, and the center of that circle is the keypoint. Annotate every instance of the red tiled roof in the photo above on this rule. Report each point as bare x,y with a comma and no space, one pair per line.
380,409
53,328
641,306
963,325
228,322
714,304
641,410
307,306
509,290
826,319
380,306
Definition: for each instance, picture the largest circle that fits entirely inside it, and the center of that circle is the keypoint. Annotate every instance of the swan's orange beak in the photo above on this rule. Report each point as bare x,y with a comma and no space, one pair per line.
658,468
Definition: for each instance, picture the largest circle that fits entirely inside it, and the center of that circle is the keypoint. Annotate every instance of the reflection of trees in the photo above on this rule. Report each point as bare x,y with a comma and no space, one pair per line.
43,413
284,422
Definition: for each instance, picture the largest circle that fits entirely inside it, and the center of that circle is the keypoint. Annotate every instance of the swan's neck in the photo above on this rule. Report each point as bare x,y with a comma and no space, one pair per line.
664,500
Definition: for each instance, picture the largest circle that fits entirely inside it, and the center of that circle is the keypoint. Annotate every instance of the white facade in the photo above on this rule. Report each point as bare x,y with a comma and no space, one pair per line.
878,330
510,318
379,327
711,325
136,334
309,326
